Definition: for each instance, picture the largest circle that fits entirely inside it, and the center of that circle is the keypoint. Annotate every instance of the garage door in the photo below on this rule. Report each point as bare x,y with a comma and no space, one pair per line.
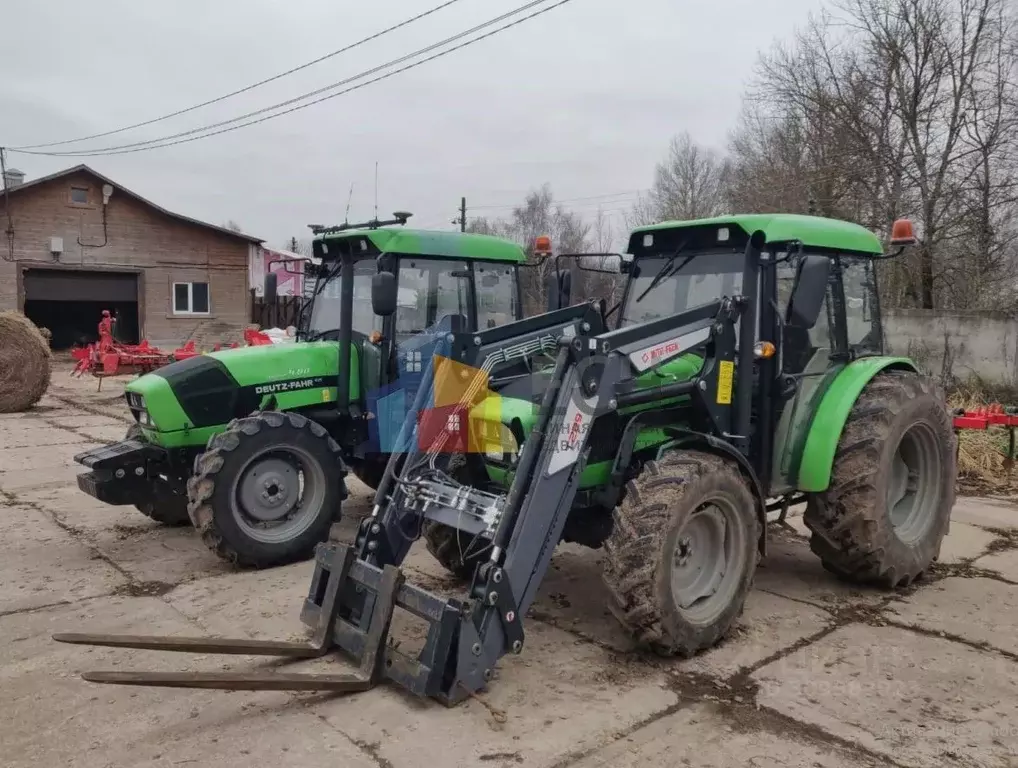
72,285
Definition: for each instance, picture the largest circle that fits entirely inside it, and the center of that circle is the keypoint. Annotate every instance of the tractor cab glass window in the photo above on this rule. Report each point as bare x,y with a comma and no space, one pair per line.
695,280
325,312
862,316
800,344
430,290
495,288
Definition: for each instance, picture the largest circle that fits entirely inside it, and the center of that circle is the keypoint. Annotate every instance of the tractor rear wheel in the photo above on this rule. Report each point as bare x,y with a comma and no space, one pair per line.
162,505
888,507
267,490
681,557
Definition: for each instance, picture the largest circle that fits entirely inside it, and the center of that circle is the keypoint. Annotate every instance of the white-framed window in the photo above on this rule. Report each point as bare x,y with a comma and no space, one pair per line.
79,195
190,298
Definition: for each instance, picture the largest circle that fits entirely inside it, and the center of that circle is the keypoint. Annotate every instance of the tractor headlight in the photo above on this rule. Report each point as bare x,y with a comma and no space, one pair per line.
136,403
500,444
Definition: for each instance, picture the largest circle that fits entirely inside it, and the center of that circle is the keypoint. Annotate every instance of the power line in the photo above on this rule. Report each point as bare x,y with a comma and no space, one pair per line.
251,87
188,136
608,198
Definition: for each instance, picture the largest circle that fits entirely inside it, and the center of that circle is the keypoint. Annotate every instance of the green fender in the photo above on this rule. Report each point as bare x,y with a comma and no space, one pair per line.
831,415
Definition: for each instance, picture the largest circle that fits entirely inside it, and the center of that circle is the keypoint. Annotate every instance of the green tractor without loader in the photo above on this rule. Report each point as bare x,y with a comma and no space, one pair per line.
744,372
251,445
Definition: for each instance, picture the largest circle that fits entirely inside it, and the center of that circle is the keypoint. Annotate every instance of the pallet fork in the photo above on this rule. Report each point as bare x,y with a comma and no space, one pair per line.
356,588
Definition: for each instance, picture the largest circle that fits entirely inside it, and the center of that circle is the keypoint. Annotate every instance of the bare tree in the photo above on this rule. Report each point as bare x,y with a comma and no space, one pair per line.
299,246
896,107
690,183
538,215
643,211
606,285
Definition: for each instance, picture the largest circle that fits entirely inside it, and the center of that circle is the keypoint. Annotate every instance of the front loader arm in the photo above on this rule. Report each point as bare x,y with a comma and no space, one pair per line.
593,375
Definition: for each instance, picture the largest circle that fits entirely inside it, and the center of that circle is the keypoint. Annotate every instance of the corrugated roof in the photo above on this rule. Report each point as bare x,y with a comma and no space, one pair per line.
85,169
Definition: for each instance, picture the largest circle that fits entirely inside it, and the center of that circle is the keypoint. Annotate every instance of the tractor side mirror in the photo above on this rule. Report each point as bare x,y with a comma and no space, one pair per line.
269,290
559,288
383,294
810,290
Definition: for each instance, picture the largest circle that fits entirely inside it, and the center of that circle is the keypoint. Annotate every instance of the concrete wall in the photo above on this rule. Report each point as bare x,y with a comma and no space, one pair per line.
957,346
162,249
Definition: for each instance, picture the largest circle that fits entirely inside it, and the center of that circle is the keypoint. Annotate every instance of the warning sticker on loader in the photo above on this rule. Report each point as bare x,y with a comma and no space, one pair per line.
726,372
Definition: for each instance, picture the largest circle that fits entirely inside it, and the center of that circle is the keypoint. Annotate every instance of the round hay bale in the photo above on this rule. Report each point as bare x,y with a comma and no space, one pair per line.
24,363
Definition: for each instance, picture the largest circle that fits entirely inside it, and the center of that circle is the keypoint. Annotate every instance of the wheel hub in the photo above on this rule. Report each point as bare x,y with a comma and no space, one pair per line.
270,489
707,560
913,490
684,551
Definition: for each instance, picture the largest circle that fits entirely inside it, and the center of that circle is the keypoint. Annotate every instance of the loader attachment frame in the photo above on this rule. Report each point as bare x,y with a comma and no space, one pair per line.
355,589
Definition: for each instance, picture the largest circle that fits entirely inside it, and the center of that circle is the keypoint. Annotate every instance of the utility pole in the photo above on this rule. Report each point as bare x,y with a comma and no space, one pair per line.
293,244
462,219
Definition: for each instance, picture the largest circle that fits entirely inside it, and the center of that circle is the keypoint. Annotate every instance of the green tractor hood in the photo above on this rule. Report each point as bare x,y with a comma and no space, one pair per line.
185,402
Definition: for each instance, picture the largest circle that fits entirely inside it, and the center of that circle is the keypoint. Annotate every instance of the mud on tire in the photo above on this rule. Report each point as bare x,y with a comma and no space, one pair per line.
446,544
214,485
652,527
163,505
898,439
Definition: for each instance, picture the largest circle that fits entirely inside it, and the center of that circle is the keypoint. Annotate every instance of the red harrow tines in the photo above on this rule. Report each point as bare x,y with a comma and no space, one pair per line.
987,416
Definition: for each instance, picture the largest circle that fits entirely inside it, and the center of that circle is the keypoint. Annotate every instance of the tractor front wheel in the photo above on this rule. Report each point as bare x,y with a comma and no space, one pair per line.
457,552
887,509
267,490
162,505
681,557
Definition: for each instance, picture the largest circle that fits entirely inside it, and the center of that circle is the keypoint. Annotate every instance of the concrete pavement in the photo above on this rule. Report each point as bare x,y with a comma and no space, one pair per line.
817,674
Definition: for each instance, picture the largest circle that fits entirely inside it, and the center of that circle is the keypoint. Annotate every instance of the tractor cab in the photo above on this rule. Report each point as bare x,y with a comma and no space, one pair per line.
438,274
813,282
430,281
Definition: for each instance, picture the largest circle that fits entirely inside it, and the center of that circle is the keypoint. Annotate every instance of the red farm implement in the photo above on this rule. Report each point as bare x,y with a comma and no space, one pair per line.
987,417
109,357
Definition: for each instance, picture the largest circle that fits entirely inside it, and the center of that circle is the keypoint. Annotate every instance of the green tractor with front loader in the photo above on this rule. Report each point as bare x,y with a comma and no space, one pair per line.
251,445
743,372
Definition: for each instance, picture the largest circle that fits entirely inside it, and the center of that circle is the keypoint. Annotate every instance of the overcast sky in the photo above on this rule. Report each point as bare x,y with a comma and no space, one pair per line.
584,97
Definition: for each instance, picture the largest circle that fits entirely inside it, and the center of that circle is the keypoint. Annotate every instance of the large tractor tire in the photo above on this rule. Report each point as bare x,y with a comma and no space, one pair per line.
888,506
267,490
457,552
162,505
681,557
453,551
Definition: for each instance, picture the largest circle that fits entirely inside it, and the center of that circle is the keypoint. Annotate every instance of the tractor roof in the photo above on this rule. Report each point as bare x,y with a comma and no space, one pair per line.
784,227
454,245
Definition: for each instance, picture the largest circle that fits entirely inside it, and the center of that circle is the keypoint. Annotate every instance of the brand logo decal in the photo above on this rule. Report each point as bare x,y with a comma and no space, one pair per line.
662,350
287,386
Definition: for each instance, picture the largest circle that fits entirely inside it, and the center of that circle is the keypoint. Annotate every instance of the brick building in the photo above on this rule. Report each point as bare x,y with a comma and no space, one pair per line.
77,243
